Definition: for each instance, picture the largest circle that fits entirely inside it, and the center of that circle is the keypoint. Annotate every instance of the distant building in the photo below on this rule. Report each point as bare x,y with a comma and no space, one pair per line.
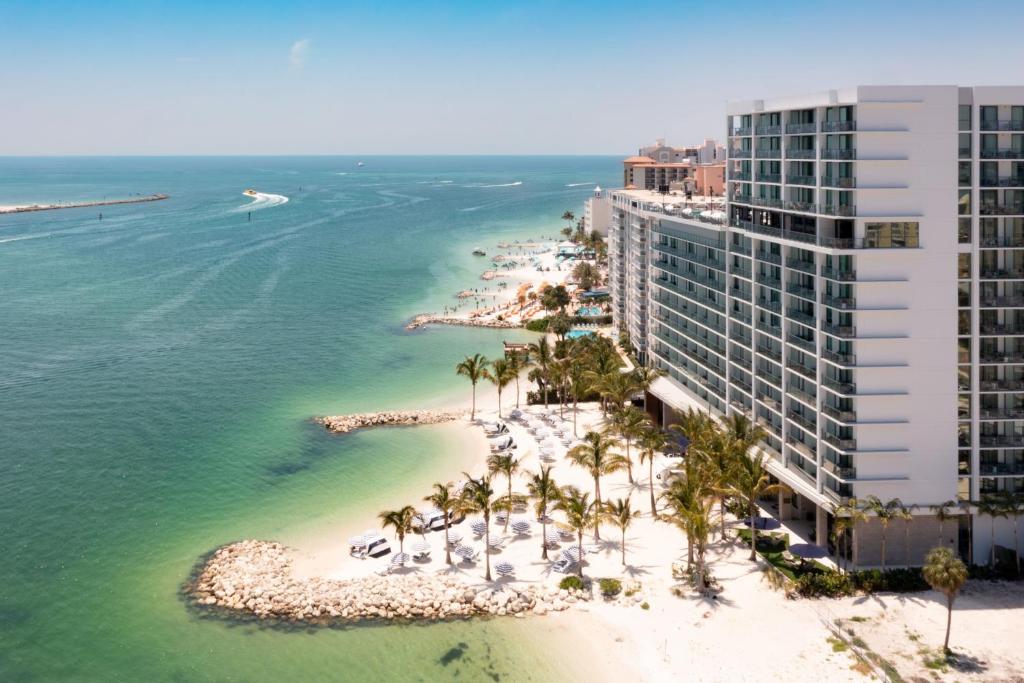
690,176
597,212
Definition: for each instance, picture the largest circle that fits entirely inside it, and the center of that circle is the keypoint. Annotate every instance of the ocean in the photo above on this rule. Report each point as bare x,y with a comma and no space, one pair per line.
158,371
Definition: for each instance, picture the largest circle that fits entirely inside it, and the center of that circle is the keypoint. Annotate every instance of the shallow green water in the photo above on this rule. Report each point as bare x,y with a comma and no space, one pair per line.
158,370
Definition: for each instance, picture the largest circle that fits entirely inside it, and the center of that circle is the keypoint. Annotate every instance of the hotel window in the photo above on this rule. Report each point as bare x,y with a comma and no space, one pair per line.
963,351
964,325
965,145
963,294
964,231
965,116
963,202
963,266
891,235
964,175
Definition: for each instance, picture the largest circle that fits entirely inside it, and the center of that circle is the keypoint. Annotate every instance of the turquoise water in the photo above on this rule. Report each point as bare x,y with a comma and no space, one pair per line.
158,369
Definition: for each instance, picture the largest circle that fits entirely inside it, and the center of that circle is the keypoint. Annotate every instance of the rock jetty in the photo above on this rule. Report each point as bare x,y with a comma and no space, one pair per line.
255,578
343,424
434,319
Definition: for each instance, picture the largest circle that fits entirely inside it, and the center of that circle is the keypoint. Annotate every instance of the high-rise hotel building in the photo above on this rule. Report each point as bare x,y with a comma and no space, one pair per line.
861,297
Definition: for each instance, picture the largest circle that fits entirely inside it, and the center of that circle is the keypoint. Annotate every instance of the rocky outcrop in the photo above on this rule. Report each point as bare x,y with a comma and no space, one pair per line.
343,424
255,578
434,319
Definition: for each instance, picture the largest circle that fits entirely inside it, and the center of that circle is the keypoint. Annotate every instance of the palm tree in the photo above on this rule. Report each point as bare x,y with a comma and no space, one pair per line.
644,376
854,513
945,573
885,513
448,504
557,377
569,217
629,423
840,526
597,457
576,375
992,507
906,515
690,510
544,490
401,519
965,508
621,514
505,464
749,481
652,441
579,514
542,358
477,497
501,374
475,369
519,361
943,513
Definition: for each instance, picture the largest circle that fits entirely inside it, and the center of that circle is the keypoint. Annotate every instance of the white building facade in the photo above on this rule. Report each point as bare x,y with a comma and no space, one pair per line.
860,301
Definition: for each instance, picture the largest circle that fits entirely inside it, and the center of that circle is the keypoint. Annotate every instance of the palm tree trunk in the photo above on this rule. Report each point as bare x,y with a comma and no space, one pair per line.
752,511
689,550
992,543
499,401
544,532
623,546
1016,545
575,405
508,513
654,505
942,535
629,463
517,391
883,548
487,546
597,506
579,556
401,543
447,547
472,413
949,622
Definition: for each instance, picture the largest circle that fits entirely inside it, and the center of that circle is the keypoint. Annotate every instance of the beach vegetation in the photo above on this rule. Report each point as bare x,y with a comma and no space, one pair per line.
609,587
885,512
688,503
749,480
596,455
517,362
579,513
645,605
555,298
401,521
945,573
501,373
628,423
478,498
541,357
586,275
571,583
473,368
651,442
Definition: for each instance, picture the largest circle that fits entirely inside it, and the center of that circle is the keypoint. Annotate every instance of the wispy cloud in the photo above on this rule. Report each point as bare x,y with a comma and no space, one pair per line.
297,55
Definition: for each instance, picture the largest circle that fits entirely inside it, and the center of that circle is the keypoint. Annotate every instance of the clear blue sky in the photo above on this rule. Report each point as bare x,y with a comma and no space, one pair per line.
478,78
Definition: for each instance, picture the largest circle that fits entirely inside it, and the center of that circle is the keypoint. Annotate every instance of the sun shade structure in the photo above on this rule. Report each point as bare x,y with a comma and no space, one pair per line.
479,527
398,559
573,553
520,526
504,568
808,551
763,523
421,547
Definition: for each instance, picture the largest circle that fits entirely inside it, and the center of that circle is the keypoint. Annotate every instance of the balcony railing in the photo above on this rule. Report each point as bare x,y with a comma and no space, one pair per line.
839,210
770,257
806,207
800,264
840,472
770,352
846,303
797,153
845,388
839,358
841,331
1001,385
841,444
1002,414
739,154
768,153
801,128
1002,154
802,421
997,468
769,178
1001,209
1008,181
840,154
840,275
741,175
1004,124
769,130
838,126
840,415
1002,440
799,290
773,306
740,130
800,179
992,328
802,342
803,371
998,357
1002,302
1002,274
838,181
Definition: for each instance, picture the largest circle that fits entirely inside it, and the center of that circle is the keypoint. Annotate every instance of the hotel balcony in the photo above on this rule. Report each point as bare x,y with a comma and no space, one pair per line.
838,210
838,126
739,153
1004,125
840,444
740,130
1001,330
768,130
741,175
1001,209
801,264
839,154
841,331
1002,154
768,153
1002,440
768,351
801,128
843,303
839,275
843,473
1003,181
846,416
1002,302
800,179
769,177
1001,385
793,153
836,181
844,388
997,357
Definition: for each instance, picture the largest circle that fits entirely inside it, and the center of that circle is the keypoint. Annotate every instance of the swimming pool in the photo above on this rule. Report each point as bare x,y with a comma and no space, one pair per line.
589,311
576,334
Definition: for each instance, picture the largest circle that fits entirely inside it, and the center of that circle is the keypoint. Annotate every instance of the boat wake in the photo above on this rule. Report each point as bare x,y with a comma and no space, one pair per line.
261,200
577,184
515,184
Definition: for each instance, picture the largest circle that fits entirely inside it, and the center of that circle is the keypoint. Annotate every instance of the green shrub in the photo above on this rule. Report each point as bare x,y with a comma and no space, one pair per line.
645,605
824,585
537,325
610,587
570,583
900,580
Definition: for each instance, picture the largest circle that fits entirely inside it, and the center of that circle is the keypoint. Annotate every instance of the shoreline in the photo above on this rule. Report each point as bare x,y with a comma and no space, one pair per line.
26,208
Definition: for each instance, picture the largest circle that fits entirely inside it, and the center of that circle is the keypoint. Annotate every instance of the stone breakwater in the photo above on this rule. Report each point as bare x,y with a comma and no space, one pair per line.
343,424
433,319
255,578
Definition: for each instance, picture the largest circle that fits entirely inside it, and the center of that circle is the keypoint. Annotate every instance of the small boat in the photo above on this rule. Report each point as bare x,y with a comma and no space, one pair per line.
251,193
479,252
359,163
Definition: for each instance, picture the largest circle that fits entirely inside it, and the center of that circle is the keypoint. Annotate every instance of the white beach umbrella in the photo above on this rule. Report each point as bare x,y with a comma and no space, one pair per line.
464,551
479,527
573,553
357,541
400,558
496,542
520,526
454,536
504,568
421,547
552,536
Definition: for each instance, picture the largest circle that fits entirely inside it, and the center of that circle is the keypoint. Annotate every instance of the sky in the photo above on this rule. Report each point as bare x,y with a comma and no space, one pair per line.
423,77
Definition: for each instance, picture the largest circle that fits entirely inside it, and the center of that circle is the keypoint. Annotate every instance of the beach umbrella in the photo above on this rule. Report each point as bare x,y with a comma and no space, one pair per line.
552,536
763,523
504,568
465,551
808,551
400,558
421,547
454,536
520,526
573,553
478,527
496,542
357,541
